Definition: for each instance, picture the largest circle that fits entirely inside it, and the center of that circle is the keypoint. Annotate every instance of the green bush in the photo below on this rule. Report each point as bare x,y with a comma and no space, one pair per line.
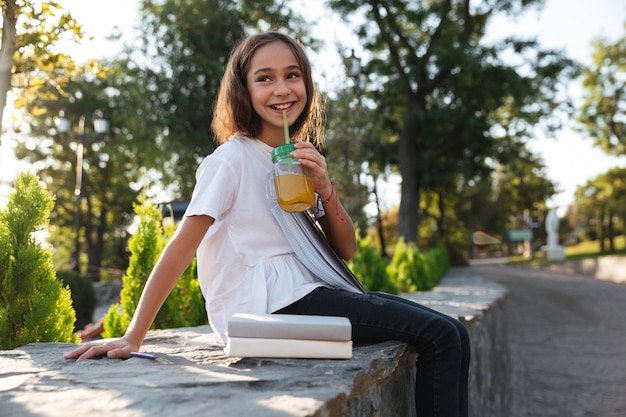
370,267
183,307
191,300
409,269
412,270
34,307
402,269
83,296
438,259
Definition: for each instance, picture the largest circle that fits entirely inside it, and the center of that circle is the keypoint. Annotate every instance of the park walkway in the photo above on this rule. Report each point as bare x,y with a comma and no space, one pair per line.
567,339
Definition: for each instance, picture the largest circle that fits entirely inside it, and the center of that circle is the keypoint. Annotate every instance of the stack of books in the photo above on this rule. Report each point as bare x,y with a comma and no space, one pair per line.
289,336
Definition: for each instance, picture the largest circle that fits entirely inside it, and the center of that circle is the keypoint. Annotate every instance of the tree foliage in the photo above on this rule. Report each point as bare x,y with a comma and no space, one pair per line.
451,98
600,205
496,203
357,151
181,55
440,107
34,307
28,61
158,96
603,114
39,76
600,202
109,168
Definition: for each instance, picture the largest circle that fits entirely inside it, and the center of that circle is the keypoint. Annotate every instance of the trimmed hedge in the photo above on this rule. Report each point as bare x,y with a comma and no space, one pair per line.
409,270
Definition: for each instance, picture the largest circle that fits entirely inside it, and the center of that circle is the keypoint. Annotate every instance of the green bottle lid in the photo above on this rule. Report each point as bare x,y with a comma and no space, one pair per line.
283,151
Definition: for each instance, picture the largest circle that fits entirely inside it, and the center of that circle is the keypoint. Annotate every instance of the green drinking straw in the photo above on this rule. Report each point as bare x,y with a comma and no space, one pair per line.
286,127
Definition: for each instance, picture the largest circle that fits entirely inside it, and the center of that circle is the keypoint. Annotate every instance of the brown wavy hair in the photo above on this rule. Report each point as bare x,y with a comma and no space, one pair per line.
233,113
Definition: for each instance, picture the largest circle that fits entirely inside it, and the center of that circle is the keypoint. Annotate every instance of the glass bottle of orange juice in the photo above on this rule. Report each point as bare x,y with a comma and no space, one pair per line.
294,187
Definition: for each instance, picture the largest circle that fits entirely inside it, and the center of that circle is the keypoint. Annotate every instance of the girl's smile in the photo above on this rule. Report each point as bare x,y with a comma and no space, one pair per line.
275,84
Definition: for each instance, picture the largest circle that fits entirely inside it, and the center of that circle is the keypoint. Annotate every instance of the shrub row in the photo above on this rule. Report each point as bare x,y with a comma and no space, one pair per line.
35,306
409,270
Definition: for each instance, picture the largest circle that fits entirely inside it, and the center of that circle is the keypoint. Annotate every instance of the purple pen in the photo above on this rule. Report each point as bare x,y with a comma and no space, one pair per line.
142,355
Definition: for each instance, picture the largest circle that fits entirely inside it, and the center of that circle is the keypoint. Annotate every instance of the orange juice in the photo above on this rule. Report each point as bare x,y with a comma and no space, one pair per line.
294,192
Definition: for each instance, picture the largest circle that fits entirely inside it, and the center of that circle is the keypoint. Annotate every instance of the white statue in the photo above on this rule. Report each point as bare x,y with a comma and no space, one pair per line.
553,250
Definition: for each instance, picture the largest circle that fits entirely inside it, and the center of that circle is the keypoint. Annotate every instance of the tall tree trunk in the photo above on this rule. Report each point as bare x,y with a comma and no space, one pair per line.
93,239
379,221
88,225
611,230
7,49
440,219
95,255
408,159
602,228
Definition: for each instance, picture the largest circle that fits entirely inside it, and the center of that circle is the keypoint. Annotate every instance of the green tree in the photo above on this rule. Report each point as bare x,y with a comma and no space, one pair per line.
445,89
181,53
603,113
357,154
600,203
109,168
602,116
519,183
158,96
39,76
30,30
34,307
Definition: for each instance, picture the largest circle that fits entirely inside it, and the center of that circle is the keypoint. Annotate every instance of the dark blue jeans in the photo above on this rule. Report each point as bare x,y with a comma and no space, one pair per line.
442,342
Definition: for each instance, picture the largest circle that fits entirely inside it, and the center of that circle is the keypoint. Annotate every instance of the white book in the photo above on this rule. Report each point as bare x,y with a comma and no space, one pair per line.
290,326
251,347
314,251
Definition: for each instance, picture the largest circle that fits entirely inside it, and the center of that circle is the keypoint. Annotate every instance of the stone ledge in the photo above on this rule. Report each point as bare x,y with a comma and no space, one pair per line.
193,377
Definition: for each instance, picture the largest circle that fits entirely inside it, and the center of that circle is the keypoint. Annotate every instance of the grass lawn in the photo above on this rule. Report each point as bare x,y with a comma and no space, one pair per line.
592,249
587,249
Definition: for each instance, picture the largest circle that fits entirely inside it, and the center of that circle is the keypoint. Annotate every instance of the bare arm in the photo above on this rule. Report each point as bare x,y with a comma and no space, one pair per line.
337,224
338,227
173,261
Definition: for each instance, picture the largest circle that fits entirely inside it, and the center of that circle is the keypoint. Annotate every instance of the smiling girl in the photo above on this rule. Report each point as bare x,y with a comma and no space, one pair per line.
245,262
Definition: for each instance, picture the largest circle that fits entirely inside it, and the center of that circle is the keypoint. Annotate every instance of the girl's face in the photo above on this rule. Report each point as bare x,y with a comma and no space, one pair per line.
275,84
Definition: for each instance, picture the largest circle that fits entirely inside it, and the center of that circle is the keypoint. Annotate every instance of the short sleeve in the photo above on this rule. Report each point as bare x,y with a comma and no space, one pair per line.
215,190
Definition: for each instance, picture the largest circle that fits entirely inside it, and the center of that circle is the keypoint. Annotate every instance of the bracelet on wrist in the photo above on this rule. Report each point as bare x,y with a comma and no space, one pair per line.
333,191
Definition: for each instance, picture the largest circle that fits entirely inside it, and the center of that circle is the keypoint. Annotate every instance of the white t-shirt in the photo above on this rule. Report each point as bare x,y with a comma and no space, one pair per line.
245,263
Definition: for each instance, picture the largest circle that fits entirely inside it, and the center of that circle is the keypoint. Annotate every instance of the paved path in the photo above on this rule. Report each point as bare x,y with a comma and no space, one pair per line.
567,336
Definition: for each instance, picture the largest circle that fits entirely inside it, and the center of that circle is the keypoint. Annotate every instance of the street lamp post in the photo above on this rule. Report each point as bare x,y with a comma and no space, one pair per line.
101,126
355,71
359,77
